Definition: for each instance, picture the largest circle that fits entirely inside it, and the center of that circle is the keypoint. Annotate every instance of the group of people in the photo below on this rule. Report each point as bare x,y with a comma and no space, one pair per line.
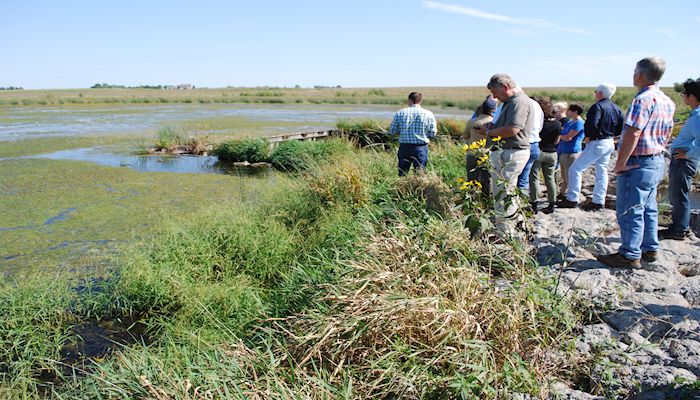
534,135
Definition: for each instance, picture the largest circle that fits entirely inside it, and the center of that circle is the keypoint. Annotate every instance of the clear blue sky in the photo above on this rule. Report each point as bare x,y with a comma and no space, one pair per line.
75,43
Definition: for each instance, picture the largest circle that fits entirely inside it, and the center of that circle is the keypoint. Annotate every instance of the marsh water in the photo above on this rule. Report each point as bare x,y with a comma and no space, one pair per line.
22,123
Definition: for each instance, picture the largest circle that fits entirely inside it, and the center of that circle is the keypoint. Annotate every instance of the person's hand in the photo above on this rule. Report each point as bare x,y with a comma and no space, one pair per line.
621,169
680,154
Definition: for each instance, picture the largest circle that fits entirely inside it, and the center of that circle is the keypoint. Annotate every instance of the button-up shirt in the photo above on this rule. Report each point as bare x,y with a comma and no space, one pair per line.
651,112
517,112
604,120
414,125
689,137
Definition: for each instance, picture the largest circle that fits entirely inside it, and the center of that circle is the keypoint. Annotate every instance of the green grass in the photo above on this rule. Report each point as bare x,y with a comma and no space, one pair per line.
250,149
464,98
340,282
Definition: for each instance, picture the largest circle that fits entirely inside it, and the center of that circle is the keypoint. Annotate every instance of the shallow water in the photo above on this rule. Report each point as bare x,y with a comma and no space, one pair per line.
22,123
177,164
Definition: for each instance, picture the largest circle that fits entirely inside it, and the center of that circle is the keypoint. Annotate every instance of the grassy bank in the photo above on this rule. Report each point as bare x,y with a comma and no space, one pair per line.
342,281
465,98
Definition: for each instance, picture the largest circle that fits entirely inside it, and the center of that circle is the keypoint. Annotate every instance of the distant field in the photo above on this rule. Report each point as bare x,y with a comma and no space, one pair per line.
446,97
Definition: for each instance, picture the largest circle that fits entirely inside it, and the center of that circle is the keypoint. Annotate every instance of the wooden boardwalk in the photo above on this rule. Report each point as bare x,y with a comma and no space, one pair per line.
312,135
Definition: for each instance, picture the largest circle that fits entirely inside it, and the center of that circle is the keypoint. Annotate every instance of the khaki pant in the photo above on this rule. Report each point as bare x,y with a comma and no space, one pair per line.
566,160
507,166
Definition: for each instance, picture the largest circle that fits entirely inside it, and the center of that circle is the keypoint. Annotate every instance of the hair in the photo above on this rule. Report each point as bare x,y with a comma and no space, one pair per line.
576,108
651,68
501,80
415,97
546,105
607,90
692,88
479,111
559,106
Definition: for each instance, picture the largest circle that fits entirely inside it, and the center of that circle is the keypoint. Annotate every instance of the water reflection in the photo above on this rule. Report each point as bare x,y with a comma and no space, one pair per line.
177,164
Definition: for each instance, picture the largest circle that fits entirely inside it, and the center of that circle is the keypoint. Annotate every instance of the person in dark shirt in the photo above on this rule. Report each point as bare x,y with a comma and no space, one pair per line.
604,122
547,161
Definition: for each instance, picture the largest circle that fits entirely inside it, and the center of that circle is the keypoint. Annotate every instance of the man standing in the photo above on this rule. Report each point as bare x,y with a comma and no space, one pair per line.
415,126
513,127
685,151
640,166
604,122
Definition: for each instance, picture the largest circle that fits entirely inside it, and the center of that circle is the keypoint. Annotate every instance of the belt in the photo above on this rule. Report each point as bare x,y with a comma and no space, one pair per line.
646,155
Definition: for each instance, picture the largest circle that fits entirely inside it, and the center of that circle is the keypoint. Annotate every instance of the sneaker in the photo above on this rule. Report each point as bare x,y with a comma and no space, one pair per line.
673,235
592,207
650,256
566,203
617,260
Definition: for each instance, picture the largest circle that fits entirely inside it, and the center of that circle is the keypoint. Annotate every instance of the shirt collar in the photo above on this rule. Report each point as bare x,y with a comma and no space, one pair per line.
644,89
695,110
415,105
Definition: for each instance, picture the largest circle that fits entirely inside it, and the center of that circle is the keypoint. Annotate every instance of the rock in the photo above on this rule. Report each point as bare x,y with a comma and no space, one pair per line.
655,320
690,289
647,281
658,377
563,392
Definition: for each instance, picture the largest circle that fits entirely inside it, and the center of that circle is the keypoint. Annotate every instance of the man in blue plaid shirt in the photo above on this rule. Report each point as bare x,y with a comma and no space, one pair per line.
415,126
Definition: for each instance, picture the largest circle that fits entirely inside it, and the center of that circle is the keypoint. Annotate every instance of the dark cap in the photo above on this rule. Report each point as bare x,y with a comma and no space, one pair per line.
488,105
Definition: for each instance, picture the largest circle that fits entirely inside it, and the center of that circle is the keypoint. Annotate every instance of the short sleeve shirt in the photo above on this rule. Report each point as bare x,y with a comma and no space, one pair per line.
651,112
517,112
574,145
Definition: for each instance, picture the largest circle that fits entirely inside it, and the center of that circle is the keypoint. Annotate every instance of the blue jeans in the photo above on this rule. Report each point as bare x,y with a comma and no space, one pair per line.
680,180
412,154
637,211
524,177
597,152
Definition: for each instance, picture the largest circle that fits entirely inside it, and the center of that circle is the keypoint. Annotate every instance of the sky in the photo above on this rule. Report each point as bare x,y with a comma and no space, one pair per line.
358,43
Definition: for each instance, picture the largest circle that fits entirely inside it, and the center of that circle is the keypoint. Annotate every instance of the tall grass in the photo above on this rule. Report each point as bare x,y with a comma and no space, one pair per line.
343,281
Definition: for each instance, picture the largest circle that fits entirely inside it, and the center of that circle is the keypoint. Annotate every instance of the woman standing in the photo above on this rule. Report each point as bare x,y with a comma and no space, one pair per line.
547,161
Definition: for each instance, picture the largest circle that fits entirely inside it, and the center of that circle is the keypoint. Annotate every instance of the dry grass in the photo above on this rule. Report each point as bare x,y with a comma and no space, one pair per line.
416,319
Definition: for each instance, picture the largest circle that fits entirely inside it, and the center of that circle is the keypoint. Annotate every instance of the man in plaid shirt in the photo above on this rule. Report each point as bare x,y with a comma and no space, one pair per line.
640,166
415,126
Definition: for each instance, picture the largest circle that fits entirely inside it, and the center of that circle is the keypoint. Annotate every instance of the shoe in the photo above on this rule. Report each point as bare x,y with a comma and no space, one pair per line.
561,197
650,256
549,209
592,207
617,260
533,205
673,235
567,204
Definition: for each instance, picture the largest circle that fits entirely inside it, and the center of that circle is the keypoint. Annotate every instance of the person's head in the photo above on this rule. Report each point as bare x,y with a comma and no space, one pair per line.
415,98
604,91
559,109
488,106
648,71
574,111
546,105
691,92
502,86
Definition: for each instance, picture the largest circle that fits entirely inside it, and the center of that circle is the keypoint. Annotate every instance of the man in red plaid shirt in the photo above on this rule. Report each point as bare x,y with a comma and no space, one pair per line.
640,166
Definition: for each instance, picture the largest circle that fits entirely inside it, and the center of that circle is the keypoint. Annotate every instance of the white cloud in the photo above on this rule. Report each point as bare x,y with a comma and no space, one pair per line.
476,13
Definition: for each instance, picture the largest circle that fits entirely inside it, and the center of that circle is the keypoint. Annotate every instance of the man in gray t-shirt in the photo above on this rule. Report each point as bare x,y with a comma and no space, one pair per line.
513,128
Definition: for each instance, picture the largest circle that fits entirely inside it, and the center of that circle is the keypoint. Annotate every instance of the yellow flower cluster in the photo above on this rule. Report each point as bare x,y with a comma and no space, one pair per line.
482,160
467,184
478,144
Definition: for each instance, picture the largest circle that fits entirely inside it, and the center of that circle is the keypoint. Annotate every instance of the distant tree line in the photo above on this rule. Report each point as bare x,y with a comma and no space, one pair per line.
12,88
110,86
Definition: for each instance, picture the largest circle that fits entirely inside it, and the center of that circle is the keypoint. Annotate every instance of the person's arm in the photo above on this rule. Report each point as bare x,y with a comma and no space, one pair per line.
627,146
570,135
394,127
432,128
504,131
694,151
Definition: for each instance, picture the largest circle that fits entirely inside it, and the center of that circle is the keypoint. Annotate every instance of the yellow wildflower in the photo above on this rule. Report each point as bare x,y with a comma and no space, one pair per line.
497,139
465,147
